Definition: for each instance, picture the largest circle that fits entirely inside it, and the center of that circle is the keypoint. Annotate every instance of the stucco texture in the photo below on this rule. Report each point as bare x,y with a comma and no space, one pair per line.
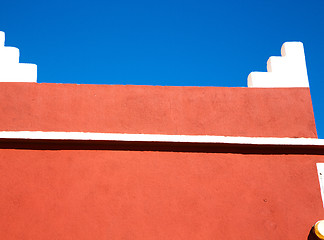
252,112
91,194
98,193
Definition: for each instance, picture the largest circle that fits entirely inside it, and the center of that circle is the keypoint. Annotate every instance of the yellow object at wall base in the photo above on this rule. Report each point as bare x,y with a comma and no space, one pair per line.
319,229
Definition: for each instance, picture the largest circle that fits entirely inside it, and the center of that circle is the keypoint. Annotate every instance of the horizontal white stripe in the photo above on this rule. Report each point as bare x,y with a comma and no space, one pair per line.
38,135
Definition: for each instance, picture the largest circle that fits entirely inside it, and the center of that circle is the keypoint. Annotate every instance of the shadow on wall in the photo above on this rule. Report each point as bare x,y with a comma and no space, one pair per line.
158,146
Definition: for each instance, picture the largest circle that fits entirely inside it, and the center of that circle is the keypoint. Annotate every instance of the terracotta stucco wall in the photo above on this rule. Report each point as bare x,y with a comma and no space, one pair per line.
93,194
153,109
109,194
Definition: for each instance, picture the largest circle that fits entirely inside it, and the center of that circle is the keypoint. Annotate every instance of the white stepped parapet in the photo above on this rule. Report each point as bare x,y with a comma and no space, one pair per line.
10,68
289,70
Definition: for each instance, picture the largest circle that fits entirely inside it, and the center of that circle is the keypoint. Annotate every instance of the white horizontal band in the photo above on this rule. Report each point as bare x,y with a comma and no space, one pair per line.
90,136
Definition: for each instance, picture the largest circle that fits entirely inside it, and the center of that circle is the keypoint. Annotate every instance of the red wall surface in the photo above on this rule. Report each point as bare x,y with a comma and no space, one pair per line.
88,194
285,112
79,193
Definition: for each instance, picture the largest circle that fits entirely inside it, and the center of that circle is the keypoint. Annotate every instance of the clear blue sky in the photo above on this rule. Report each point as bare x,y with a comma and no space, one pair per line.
184,43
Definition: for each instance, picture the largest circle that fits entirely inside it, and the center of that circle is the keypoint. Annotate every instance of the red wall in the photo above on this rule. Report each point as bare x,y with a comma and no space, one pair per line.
157,195
109,194
153,109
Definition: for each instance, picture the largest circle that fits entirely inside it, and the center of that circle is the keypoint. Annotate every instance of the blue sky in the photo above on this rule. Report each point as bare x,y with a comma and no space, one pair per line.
182,43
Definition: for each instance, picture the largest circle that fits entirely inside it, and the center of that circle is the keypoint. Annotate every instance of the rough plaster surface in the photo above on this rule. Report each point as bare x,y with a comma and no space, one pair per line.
249,112
10,68
289,70
155,195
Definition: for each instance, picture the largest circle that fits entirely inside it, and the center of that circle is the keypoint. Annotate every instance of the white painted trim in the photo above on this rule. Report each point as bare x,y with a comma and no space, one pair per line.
10,68
320,172
38,135
287,71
